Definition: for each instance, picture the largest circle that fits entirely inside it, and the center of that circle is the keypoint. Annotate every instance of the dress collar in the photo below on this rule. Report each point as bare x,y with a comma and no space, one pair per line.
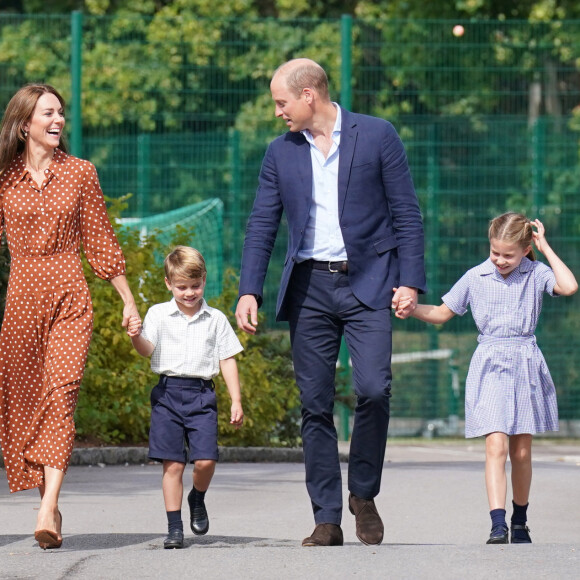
488,268
17,169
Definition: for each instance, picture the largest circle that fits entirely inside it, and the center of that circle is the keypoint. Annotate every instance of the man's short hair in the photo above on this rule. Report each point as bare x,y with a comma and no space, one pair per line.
184,262
304,73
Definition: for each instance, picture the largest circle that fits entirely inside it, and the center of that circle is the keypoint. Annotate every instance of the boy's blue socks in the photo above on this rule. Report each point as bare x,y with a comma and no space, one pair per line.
174,521
497,518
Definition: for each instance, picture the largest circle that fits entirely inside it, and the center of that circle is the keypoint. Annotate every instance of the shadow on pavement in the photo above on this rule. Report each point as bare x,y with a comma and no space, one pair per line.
236,541
12,538
86,542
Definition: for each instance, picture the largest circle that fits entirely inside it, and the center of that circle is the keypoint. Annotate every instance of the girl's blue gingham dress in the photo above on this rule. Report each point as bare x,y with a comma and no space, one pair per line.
509,388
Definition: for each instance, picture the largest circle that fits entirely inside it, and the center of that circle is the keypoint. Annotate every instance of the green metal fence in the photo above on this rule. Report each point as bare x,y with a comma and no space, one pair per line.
178,111
203,222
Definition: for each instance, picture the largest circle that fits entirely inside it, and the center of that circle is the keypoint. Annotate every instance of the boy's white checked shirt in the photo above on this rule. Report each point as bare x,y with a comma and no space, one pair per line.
189,346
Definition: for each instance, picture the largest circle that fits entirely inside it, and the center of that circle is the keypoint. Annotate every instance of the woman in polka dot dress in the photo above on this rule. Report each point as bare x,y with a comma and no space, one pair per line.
50,203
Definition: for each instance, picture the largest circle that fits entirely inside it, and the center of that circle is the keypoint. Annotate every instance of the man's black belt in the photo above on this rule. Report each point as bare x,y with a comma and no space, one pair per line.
335,267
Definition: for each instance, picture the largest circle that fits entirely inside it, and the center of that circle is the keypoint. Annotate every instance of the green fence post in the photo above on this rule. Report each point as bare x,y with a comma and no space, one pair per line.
538,155
343,407
76,143
143,174
235,241
345,101
432,244
454,392
346,61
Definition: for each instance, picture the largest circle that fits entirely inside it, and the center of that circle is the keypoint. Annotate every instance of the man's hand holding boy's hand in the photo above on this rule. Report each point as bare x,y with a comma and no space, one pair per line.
237,415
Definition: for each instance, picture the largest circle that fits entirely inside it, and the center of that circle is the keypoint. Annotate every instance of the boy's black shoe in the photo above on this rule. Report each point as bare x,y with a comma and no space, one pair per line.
520,534
199,519
499,535
174,540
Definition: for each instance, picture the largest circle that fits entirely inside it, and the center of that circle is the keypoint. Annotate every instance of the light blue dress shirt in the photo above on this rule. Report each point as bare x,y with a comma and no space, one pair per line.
323,237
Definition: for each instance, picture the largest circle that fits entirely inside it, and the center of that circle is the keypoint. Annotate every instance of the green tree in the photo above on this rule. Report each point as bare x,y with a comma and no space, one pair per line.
193,77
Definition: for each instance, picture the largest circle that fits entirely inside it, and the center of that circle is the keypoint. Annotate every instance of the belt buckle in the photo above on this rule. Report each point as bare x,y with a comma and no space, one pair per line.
330,268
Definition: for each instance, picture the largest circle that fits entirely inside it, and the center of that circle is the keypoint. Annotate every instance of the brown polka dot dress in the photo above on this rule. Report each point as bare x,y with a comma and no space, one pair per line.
48,319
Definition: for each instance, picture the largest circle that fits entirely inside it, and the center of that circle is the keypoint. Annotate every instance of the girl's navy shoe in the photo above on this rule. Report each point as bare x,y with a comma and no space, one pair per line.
520,534
499,535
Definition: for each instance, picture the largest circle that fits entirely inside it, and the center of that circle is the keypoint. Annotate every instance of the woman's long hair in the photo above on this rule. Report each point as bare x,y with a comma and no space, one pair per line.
20,110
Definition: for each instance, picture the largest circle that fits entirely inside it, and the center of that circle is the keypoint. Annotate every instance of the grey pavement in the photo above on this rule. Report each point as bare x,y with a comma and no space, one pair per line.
432,502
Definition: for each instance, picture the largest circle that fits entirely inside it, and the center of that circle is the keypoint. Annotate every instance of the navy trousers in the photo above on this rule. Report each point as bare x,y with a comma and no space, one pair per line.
322,308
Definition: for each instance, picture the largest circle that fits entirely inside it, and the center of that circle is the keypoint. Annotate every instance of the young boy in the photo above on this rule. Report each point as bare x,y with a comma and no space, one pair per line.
189,343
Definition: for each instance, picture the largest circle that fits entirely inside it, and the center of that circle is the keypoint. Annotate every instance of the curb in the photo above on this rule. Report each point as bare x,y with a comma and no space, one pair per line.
138,455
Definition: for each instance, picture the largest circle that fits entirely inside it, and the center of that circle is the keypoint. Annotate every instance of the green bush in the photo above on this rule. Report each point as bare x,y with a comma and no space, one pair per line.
269,394
114,399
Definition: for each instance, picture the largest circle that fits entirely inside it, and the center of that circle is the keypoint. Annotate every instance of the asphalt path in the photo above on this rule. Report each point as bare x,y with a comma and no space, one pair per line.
432,502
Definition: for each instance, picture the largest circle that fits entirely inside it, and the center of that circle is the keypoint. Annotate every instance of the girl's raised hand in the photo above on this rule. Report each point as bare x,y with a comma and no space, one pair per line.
539,236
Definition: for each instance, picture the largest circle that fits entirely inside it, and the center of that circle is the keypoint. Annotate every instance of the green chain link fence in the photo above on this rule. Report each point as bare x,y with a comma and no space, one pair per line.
178,111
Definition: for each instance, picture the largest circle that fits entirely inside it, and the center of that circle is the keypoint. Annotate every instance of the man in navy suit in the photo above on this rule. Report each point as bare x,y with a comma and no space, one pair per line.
355,234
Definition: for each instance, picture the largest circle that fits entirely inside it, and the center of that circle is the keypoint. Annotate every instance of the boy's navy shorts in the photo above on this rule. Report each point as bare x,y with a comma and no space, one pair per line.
183,420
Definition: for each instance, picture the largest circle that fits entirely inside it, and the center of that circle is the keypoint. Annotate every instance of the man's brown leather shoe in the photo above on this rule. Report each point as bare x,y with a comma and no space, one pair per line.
369,526
325,535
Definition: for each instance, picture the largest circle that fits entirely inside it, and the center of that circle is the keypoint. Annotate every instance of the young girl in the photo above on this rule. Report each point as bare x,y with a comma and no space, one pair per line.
509,393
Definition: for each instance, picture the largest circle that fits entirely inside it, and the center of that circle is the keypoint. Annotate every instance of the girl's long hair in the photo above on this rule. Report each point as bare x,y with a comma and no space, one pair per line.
513,228
20,110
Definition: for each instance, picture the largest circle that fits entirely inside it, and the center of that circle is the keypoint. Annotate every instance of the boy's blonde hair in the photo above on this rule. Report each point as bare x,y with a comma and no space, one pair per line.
513,228
184,262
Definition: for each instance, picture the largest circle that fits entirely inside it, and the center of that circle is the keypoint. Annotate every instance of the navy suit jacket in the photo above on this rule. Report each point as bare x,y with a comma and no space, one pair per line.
378,212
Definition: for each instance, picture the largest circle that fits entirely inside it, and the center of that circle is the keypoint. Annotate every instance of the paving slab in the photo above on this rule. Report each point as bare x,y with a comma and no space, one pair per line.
432,502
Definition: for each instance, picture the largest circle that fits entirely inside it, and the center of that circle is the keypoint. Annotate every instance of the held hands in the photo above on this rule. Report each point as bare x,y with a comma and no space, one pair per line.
130,312
134,326
237,415
404,301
